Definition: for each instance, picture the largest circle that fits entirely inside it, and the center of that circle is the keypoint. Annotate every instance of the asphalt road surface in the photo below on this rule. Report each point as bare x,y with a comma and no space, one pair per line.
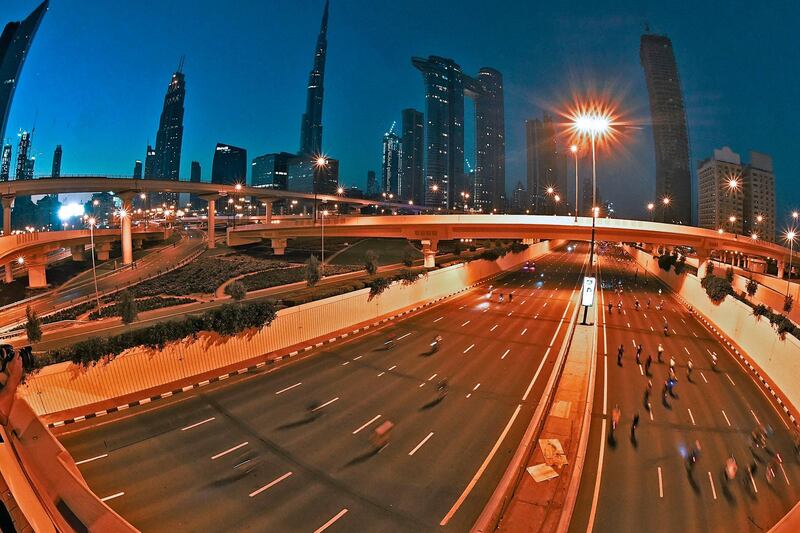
289,450
645,483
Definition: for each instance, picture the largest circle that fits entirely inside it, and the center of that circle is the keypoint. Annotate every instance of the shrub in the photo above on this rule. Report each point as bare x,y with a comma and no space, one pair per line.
680,265
782,325
457,248
377,286
517,247
312,272
371,262
788,303
709,268
33,327
729,274
408,257
407,277
665,262
761,310
751,286
491,254
127,307
236,290
716,288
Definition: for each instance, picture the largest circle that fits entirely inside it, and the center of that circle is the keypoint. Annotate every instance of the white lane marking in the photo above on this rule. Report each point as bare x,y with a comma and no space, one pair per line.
289,388
418,446
703,376
651,414
438,319
682,320
117,495
92,459
330,522
207,420
729,379
660,484
462,307
382,373
421,385
523,332
481,469
346,363
726,417
536,316
753,481
597,479
692,417
713,489
687,350
536,375
651,328
359,357
317,408
470,347
645,315
493,327
695,334
229,450
509,314
367,424
505,354
465,323
270,484
754,416
634,343
545,305
641,370
674,332
784,473
476,387
403,337
433,376
629,324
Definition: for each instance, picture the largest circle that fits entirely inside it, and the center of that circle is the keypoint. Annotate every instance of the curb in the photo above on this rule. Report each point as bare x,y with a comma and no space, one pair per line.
269,361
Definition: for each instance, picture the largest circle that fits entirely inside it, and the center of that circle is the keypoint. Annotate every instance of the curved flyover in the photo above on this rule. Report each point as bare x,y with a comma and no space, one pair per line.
433,228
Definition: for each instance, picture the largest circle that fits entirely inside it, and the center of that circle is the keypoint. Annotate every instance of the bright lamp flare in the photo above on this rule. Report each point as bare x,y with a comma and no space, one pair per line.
321,161
573,148
733,184
593,123
790,235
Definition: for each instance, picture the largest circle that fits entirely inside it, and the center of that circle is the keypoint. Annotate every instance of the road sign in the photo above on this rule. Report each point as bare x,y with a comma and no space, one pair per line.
588,291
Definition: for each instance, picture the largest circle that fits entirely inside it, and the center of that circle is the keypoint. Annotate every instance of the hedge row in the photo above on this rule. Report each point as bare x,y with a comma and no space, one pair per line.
228,319
146,304
285,276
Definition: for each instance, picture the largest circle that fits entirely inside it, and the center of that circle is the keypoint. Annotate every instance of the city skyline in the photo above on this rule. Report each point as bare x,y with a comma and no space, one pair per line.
716,112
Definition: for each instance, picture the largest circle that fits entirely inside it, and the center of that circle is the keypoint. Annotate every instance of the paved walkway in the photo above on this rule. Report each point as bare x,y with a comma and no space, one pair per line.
537,506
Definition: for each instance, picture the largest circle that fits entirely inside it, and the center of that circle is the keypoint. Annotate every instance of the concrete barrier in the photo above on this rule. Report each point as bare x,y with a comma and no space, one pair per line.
52,474
774,361
65,387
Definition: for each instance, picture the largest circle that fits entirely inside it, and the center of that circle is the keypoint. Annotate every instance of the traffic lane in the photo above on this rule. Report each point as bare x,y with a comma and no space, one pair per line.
691,419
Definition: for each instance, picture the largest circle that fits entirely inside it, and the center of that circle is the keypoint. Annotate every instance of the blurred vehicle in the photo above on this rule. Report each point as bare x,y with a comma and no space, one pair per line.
529,266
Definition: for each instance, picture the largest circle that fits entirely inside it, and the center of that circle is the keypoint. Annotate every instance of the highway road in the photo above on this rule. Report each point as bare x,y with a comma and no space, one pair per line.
631,485
249,454
82,288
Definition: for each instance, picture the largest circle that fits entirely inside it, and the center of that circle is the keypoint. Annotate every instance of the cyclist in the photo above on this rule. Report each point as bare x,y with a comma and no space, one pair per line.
437,340
639,355
689,367
441,388
660,352
615,418
389,343
620,351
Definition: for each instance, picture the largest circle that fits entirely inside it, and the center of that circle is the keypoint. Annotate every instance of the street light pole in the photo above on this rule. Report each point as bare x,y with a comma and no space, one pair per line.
790,236
323,212
94,270
594,174
574,149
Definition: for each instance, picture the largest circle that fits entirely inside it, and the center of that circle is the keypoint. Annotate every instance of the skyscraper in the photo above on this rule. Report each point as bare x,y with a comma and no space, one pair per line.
270,170
5,163
372,184
170,129
14,43
306,175
22,156
759,196
490,144
311,125
670,134
717,201
137,170
544,166
196,177
150,168
390,165
412,185
229,165
56,172
445,86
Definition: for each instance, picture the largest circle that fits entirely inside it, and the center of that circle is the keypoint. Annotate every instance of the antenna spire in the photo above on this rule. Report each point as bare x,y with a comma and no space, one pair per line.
180,63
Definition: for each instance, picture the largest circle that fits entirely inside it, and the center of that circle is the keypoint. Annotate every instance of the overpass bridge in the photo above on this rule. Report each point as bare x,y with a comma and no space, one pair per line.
430,229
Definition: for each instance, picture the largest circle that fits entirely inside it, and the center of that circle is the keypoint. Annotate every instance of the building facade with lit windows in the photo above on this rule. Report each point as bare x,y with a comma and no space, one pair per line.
308,175
56,170
270,171
390,163
412,184
5,163
546,166
229,165
720,193
489,184
758,182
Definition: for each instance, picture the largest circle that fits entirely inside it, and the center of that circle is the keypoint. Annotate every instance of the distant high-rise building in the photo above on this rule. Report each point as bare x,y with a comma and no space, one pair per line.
520,201
270,170
445,87
22,156
14,44
306,175
30,163
196,177
412,183
718,201
390,166
169,137
670,134
150,172
489,188
137,170
56,172
5,163
759,197
311,125
372,184
544,164
229,165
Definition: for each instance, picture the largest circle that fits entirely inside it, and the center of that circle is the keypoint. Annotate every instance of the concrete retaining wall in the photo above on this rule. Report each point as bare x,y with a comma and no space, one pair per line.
65,386
776,359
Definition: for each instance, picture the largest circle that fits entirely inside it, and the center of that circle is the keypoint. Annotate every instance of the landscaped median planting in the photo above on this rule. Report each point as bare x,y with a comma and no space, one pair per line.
226,320
145,304
285,276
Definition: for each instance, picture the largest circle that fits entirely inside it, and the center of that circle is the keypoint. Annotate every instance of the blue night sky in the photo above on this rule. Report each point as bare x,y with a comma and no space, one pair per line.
96,75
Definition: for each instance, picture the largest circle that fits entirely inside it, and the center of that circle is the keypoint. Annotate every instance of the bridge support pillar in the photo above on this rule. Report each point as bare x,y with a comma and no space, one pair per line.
703,260
125,223
278,246
77,252
8,274
8,201
781,269
429,248
212,222
37,278
102,250
268,213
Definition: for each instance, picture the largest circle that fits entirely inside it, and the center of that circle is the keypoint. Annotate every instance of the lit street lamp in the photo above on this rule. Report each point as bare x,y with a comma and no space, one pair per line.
322,269
92,221
665,202
574,150
790,236
651,207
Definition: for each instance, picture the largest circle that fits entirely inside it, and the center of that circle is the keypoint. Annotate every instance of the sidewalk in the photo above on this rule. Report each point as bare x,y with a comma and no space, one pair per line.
538,506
